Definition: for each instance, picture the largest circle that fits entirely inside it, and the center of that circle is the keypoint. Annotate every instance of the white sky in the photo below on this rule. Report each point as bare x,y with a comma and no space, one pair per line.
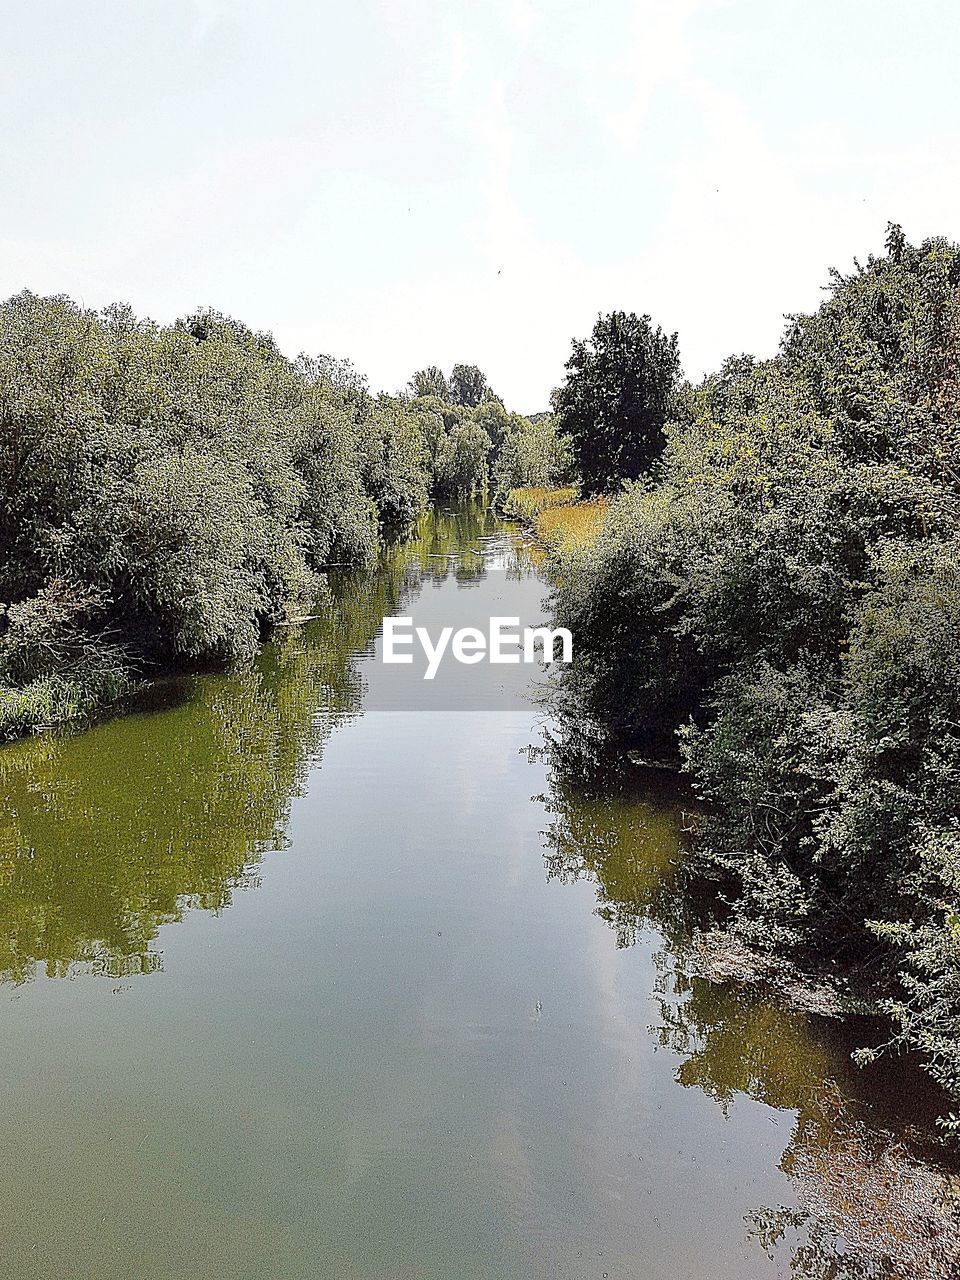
427,181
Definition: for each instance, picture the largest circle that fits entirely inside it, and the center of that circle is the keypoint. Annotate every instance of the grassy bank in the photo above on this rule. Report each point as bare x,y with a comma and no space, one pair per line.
556,516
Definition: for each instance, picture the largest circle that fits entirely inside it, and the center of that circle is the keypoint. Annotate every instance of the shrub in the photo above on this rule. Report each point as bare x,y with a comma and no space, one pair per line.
781,599
168,494
532,454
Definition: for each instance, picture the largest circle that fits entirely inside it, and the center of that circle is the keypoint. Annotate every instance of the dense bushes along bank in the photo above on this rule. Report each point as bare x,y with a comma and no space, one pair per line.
780,597
775,594
168,494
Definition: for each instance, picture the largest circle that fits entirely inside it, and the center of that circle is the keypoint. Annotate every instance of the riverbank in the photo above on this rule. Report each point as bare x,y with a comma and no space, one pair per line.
557,517
171,494
778,601
503,1057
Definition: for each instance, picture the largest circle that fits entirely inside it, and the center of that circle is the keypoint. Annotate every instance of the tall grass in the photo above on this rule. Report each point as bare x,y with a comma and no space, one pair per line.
556,517
578,525
526,504
63,697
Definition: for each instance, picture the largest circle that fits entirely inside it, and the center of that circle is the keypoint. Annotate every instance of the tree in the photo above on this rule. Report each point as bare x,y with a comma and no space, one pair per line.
620,390
429,382
532,453
469,386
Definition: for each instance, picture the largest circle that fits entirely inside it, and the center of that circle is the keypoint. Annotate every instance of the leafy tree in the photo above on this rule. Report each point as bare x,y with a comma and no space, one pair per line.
463,469
881,356
341,374
396,472
531,453
468,386
431,381
169,494
781,598
620,390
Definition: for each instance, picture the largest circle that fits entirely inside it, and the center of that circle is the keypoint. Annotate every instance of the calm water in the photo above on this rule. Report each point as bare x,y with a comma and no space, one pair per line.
310,972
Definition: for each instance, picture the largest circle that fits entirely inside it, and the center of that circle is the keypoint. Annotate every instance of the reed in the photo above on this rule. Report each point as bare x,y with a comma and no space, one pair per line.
570,527
560,522
526,504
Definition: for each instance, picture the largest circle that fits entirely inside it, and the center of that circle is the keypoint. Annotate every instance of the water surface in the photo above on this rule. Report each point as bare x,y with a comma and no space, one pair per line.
308,971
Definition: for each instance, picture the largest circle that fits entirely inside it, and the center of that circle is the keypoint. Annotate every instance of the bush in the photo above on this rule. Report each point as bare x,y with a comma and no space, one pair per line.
458,448
531,454
55,663
780,599
395,463
187,482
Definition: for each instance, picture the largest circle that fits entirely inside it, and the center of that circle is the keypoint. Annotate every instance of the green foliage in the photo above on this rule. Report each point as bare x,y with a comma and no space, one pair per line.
52,700
531,455
783,594
468,386
396,458
470,439
620,390
458,448
461,460
431,381
881,357
169,494
56,661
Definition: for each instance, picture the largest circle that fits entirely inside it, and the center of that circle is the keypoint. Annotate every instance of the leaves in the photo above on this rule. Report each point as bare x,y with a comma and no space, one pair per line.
621,388
782,594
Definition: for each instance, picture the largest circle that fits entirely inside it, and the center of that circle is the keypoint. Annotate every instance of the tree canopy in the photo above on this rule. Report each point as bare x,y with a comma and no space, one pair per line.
467,386
620,391
780,600
168,494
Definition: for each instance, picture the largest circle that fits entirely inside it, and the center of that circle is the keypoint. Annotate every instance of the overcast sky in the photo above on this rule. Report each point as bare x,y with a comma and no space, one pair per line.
427,181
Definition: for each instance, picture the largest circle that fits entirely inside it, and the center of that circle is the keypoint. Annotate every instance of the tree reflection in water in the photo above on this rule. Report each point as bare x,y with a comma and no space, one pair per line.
875,1198
107,835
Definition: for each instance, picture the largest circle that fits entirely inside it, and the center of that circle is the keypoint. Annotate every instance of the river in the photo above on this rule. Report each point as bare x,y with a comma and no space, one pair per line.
312,970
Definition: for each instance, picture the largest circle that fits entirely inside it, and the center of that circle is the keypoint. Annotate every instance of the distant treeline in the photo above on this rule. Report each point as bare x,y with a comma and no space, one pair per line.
169,494
776,596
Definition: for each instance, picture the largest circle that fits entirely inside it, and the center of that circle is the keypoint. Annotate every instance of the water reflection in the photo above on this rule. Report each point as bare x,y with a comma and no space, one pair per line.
869,1207
465,543
109,834
874,1198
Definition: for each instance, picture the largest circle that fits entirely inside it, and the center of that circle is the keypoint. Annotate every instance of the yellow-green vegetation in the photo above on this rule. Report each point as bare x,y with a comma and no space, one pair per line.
567,528
558,519
527,503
